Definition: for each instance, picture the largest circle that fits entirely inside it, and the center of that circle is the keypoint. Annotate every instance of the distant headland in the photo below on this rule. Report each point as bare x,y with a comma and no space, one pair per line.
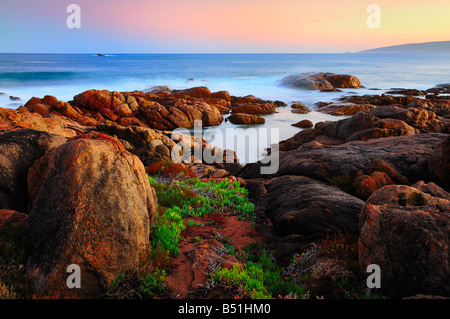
439,46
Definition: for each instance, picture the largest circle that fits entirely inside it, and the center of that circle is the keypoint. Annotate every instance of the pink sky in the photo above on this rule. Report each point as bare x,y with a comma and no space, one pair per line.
222,25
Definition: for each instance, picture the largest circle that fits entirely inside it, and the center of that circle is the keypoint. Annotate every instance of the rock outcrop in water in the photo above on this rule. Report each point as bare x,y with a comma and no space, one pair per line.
158,109
321,81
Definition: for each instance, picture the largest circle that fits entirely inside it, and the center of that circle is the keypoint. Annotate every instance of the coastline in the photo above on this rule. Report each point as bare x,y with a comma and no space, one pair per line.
344,183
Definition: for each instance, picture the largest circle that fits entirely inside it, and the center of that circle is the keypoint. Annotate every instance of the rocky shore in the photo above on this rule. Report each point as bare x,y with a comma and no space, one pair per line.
92,182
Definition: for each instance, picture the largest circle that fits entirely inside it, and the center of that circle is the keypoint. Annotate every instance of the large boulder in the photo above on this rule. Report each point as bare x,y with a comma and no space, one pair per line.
98,99
300,210
19,149
92,206
342,80
321,81
406,232
301,205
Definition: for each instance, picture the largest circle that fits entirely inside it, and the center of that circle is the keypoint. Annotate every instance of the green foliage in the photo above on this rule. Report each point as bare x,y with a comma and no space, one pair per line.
186,198
133,283
260,277
152,283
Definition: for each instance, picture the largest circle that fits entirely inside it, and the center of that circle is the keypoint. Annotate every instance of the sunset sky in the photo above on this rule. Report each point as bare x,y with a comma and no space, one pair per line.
218,26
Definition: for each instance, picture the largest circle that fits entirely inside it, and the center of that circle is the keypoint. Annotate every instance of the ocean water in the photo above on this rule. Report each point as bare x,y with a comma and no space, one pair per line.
65,75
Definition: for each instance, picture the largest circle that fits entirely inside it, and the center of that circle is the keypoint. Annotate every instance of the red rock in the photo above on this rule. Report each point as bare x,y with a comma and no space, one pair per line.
87,121
11,119
97,100
93,208
128,121
34,100
365,185
223,95
123,110
8,217
253,106
198,92
50,100
241,118
99,118
108,114
42,109
67,110
342,80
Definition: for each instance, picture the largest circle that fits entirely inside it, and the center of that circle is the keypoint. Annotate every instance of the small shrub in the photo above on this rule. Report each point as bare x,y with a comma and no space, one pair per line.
169,169
141,283
260,277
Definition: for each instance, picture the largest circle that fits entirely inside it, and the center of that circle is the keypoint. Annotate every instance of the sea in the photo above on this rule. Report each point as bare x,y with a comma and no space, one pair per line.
23,76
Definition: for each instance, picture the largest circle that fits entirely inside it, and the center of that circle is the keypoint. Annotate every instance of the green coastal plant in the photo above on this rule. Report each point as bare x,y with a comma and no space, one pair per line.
259,277
178,200
136,283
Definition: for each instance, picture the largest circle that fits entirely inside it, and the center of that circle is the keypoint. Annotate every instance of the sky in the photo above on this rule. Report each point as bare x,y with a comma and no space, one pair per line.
218,26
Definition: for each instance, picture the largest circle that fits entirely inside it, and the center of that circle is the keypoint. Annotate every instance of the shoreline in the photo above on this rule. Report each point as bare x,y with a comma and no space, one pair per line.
370,182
